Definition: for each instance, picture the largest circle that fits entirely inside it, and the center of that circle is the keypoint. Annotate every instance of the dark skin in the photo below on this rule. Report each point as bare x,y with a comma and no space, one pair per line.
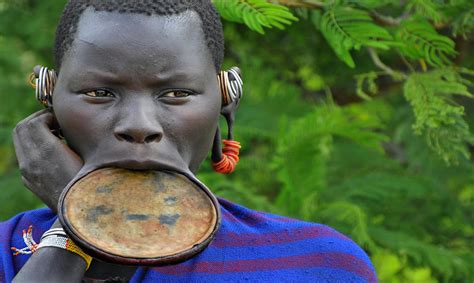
134,91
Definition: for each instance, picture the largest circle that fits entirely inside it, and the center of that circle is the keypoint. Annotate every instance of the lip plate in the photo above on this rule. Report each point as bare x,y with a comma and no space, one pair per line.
159,261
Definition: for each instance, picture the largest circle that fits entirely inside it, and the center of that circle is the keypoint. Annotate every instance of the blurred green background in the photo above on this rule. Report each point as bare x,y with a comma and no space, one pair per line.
356,114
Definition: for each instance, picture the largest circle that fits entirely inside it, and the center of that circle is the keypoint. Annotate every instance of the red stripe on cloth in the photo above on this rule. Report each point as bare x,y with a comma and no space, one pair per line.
231,239
341,261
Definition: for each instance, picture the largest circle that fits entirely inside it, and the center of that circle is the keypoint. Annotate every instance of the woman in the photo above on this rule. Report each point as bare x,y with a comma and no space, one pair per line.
137,89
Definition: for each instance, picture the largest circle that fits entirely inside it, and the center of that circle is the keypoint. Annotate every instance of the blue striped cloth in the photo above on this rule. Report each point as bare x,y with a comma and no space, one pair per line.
250,246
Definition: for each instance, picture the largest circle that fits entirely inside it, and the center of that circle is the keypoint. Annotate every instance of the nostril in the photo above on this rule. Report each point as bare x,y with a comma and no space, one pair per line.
125,137
152,138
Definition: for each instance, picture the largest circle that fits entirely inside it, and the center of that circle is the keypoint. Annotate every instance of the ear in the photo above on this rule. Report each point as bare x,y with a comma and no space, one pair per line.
44,81
231,88
216,154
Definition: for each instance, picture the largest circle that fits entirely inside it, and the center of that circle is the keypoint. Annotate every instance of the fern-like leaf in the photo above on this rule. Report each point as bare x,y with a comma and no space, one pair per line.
437,114
346,28
366,85
305,147
372,4
346,214
419,40
464,23
256,14
444,261
427,9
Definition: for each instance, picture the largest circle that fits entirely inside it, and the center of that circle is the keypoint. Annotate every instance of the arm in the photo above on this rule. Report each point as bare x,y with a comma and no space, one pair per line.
47,165
51,264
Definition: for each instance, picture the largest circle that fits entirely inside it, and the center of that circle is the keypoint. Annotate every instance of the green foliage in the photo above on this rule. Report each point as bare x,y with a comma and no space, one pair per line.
464,23
421,41
437,113
427,9
366,85
353,216
346,28
256,14
389,266
441,260
306,145
371,4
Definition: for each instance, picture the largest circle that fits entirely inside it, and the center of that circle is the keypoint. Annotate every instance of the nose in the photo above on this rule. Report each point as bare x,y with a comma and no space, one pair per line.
139,124
136,135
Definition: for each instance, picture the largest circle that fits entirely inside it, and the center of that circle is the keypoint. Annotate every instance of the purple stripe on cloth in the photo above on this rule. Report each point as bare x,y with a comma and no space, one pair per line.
232,239
255,218
319,275
320,245
341,261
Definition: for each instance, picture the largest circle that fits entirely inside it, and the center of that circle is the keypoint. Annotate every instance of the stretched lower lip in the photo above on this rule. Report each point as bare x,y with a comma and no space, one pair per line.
145,165
132,159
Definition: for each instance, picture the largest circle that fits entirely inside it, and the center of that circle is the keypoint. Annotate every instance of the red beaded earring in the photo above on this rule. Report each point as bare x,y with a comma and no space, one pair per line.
230,83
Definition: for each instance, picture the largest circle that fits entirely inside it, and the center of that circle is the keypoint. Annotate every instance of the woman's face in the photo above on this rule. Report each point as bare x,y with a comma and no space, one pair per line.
138,91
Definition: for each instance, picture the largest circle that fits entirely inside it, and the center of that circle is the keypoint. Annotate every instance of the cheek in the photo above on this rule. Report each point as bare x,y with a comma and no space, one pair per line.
197,129
81,125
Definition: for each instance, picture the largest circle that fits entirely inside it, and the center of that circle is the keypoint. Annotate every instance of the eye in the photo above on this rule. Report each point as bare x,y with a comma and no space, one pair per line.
99,93
176,94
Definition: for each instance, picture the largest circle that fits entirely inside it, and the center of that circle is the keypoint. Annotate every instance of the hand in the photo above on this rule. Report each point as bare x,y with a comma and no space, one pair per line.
46,163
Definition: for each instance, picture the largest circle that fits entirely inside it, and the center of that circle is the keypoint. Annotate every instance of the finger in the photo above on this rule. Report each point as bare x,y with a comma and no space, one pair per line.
34,115
32,133
38,140
37,127
29,126
34,141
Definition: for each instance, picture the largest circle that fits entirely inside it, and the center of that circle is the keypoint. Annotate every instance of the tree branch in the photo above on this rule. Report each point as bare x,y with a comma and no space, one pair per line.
310,4
376,59
387,20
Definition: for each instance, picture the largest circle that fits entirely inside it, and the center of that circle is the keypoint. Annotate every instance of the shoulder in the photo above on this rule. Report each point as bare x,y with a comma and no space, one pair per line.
11,235
293,242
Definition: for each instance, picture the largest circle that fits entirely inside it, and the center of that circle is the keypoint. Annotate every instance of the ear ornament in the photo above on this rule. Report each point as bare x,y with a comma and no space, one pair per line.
225,160
43,81
231,85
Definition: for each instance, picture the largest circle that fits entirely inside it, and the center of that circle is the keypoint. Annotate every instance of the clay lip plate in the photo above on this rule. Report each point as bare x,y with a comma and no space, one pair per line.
139,217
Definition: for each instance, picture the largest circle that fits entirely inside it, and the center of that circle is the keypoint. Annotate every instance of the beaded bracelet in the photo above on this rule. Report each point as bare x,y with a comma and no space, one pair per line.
57,238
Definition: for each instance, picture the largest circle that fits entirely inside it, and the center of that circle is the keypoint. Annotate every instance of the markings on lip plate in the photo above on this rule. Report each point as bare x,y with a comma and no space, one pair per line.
137,217
97,211
169,219
171,200
104,189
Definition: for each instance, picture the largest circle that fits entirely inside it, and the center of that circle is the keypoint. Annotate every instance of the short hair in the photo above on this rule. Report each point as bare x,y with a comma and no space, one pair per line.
210,19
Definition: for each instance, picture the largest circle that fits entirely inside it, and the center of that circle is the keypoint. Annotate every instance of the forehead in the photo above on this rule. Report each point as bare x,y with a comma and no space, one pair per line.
139,44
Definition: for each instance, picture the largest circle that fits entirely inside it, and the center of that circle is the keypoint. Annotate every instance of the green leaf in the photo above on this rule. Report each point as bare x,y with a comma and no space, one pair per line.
349,214
427,9
346,28
422,274
366,85
419,40
437,114
442,260
305,146
256,14
372,4
464,23
386,264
